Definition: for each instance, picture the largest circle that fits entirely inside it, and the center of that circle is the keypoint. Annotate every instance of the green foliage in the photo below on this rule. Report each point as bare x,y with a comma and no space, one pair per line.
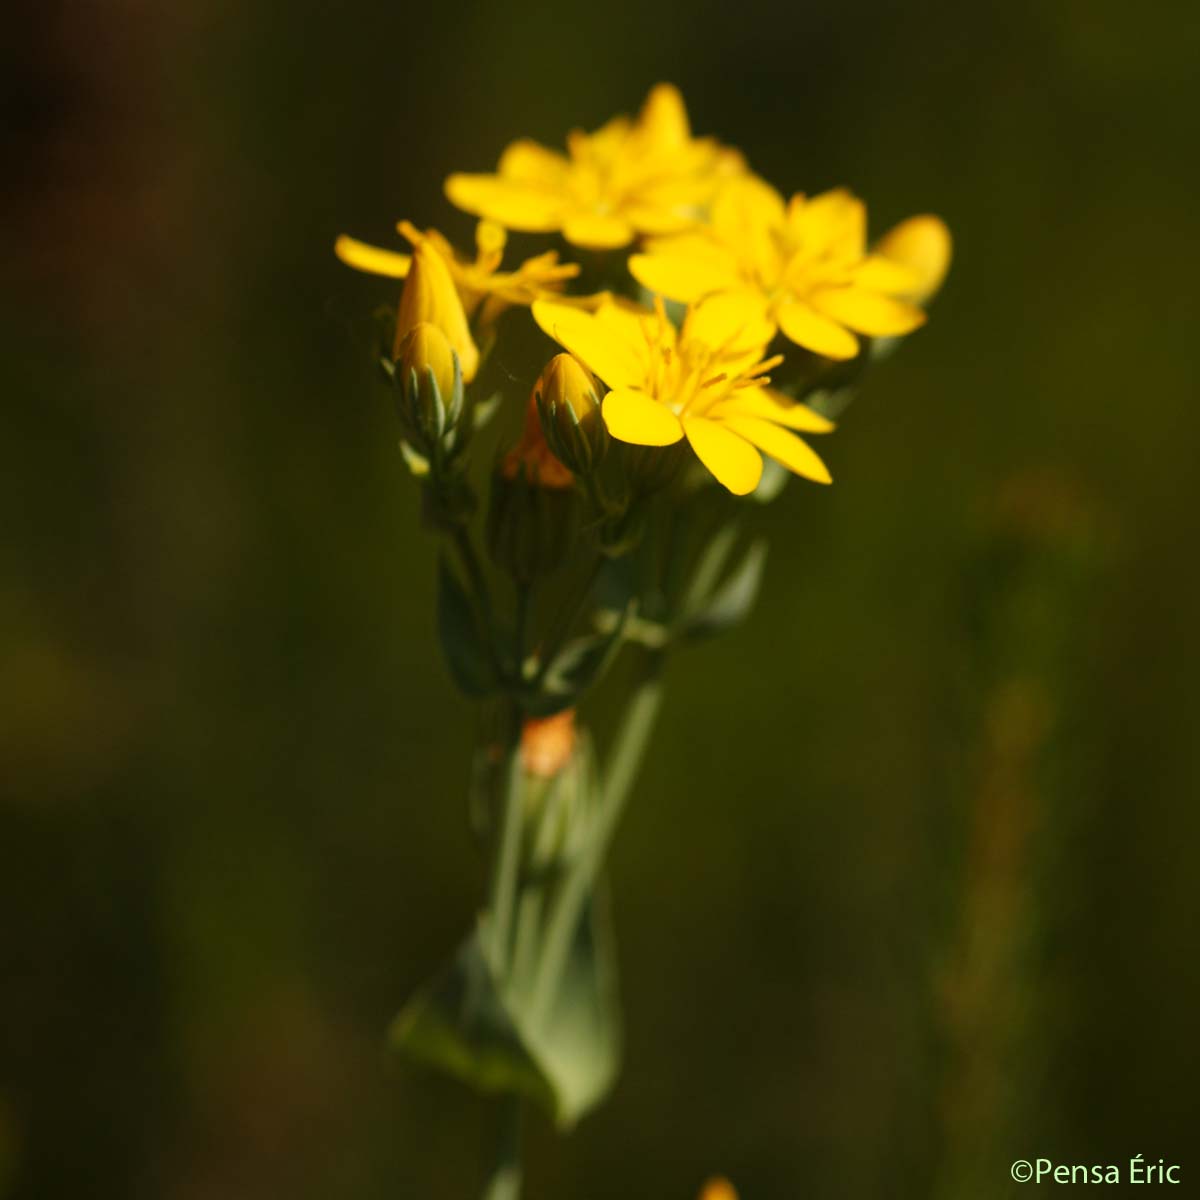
481,1028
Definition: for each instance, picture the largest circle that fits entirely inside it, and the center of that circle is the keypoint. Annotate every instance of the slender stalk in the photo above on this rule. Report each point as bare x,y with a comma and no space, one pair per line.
568,614
524,599
506,872
504,1183
481,592
626,756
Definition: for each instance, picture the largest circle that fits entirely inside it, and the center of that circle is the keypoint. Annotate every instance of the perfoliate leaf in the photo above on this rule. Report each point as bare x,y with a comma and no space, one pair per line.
467,1023
463,641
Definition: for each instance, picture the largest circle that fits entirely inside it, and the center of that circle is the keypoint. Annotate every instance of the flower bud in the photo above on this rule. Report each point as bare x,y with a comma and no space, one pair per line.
429,295
567,397
533,510
532,458
429,382
547,743
922,244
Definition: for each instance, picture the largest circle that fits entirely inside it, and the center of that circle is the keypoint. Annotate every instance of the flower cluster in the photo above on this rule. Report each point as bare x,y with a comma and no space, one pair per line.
709,329
720,266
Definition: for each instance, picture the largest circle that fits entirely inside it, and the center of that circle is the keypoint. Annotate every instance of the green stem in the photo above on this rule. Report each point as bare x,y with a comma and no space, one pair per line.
506,873
481,592
568,614
524,598
629,748
504,1183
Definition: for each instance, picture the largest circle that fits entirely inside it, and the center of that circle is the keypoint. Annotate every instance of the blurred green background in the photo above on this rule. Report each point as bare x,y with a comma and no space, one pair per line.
909,888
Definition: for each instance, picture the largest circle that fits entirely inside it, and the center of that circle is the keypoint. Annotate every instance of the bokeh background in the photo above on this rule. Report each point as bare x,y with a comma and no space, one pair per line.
909,888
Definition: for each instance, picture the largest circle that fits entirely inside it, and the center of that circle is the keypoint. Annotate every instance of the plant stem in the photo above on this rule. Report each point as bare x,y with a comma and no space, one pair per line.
483,595
524,598
628,749
506,872
568,614
505,1180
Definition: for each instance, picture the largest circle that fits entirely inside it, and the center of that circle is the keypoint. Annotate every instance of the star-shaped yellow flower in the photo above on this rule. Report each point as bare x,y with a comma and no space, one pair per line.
705,381
629,177
477,280
803,265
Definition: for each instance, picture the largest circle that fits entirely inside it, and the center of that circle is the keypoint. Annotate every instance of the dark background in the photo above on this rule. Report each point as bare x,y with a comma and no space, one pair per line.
909,887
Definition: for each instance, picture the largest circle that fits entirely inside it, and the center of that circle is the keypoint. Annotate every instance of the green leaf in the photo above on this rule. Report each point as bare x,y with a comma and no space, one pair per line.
467,1023
730,603
463,641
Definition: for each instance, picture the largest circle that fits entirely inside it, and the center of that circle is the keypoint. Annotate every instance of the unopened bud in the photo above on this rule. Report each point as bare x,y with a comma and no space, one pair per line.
533,509
429,387
567,397
429,295
547,743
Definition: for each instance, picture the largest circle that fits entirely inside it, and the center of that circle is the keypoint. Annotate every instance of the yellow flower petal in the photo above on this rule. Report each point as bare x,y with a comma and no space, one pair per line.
663,120
514,204
772,406
746,203
836,219
490,239
879,274
802,324
731,459
601,347
633,416
372,259
527,161
681,277
733,322
782,446
923,244
595,231
866,312
659,219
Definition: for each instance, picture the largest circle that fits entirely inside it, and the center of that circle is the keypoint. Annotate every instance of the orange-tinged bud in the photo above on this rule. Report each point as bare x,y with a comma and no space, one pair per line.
532,458
532,511
718,1189
567,397
430,295
547,743
923,244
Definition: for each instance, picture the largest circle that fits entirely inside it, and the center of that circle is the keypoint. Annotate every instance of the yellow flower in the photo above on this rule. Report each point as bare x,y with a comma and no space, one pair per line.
705,382
718,1189
629,177
804,265
478,280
